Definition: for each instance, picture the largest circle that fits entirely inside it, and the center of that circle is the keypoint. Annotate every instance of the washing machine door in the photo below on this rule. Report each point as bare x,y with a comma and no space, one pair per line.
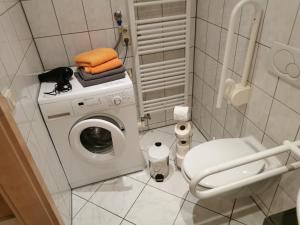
97,139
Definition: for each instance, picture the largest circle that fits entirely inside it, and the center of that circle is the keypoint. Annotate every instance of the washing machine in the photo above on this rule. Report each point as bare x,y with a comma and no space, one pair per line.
94,130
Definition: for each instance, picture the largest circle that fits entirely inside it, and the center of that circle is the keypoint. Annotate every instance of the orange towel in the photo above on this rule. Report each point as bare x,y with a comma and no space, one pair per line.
95,57
112,64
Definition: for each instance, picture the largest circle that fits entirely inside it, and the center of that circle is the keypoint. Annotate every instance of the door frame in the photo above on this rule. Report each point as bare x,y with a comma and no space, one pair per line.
21,184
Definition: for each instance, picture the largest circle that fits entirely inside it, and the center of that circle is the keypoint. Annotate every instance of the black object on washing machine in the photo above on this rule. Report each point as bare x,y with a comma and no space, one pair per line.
61,76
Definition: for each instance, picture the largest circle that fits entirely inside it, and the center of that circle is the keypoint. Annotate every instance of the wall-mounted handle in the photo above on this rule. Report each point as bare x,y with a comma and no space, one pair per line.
287,146
251,47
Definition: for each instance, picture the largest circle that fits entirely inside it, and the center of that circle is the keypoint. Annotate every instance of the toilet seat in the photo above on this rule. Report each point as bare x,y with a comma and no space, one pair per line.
215,152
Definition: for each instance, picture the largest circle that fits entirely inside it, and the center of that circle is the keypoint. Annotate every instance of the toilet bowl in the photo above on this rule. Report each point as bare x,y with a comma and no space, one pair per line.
216,152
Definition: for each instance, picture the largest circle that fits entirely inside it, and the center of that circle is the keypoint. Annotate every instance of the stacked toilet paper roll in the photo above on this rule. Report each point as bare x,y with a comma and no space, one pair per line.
183,132
182,113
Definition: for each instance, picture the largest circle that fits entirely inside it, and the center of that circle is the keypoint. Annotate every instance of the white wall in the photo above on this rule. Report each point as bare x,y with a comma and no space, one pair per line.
64,28
18,57
273,113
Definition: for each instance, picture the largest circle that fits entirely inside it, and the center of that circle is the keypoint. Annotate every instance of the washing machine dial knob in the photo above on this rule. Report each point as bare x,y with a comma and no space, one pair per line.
117,100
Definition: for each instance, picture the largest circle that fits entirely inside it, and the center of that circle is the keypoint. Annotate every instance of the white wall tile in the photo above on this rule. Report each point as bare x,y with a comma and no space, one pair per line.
103,38
259,107
283,123
213,40
3,77
97,18
196,112
201,30
199,63
41,17
215,12
52,52
249,129
198,88
210,72
11,35
208,97
206,119
217,129
202,10
7,54
288,94
261,77
76,44
279,21
193,8
295,36
234,121
70,16
193,29
4,5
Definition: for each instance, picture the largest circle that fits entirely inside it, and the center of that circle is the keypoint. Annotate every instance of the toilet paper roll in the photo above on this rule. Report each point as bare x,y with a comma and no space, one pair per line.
182,148
183,130
181,113
179,160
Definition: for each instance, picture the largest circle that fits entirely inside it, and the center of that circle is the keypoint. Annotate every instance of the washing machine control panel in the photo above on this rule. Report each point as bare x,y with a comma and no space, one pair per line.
91,103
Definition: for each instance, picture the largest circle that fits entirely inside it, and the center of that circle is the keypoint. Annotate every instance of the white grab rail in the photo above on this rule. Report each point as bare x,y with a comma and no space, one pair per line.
251,47
287,146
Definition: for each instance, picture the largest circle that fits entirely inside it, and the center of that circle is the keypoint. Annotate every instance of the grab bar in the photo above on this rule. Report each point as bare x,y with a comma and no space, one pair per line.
243,92
287,146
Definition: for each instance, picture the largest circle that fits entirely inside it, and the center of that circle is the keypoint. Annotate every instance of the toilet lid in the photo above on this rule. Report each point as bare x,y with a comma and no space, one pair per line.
216,152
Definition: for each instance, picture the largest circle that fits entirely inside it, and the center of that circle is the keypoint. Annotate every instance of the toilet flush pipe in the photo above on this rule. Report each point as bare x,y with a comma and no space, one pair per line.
251,47
287,146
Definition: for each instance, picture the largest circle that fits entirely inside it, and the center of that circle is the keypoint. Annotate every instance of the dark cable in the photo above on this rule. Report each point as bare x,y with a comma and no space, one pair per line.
124,60
126,40
67,87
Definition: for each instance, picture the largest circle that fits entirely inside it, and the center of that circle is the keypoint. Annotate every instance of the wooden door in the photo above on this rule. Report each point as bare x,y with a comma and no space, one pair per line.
21,185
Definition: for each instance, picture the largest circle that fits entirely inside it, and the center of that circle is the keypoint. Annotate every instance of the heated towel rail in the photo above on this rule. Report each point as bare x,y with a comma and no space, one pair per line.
287,146
157,35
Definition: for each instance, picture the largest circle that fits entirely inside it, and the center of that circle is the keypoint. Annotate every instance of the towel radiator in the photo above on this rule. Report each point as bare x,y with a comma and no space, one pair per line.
159,35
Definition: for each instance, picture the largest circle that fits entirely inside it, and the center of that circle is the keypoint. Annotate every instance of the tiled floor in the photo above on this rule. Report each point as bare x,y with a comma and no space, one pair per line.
137,199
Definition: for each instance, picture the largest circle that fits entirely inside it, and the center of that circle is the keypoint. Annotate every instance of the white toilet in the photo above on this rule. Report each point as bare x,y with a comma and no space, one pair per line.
216,152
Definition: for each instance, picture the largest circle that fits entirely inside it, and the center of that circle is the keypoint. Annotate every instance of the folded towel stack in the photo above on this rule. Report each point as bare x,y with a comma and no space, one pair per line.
98,60
99,66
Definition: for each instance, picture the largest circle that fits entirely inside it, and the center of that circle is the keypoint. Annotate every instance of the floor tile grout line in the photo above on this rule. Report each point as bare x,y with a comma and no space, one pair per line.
126,214
89,200
175,219
115,214
165,191
252,198
211,210
86,202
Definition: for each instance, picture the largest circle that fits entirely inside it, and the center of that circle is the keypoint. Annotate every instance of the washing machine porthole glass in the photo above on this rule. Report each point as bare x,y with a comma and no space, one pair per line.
97,140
